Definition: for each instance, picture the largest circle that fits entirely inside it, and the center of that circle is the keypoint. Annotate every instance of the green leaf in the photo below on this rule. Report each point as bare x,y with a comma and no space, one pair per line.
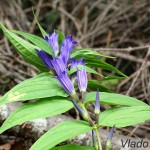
61,37
125,116
94,85
73,147
90,70
41,86
114,99
26,49
82,52
38,41
68,129
95,62
40,27
113,78
40,109
110,83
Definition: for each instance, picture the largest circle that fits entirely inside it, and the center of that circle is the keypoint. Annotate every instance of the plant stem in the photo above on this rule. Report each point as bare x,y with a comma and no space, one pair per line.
89,120
83,97
98,139
96,128
95,145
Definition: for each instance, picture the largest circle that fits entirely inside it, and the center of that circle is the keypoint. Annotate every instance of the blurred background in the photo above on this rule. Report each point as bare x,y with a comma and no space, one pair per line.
119,28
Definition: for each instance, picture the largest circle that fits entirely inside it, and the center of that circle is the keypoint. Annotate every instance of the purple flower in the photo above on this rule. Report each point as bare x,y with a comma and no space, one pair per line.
82,79
53,42
97,103
66,83
58,65
46,58
66,48
75,62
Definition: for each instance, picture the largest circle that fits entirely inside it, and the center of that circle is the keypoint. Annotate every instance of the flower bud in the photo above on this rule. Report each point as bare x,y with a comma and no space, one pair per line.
82,79
53,42
97,103
108,144
66,83
81,111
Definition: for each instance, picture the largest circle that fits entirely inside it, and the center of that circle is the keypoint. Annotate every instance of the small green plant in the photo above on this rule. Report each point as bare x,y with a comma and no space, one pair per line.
62,79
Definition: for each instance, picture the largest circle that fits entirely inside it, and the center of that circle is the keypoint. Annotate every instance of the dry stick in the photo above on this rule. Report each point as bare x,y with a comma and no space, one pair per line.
129,57
73,19
141,68
63,21
105,25
84,22
136,24
101,18
129,49
145,127
132,132
126,81
78,6
145,81
106,10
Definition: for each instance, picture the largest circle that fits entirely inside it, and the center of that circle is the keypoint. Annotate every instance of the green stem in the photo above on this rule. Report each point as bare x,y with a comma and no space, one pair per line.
95,145
83,97
96,128
108,145
97,118
89,120
98,139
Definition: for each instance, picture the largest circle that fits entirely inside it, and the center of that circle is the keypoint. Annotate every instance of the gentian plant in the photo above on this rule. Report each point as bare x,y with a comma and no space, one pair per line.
62,84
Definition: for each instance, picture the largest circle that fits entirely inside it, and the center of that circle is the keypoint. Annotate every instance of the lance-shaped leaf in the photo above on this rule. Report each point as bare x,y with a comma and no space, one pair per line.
113,78
81,52
96,62
40,109
26,49
94,85
60,133
88,69
73,147
114,99
38,41
125,116
40,27
41,86
61,37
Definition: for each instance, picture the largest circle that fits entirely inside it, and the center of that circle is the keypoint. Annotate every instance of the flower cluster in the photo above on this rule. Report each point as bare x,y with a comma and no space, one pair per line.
61,61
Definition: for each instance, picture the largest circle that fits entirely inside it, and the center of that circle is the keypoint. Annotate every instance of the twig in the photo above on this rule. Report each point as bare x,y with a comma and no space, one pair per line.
141,68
